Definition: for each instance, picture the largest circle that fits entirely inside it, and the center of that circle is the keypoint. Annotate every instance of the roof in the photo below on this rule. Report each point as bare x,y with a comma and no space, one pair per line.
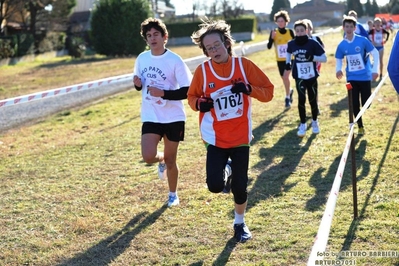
318,5
78,17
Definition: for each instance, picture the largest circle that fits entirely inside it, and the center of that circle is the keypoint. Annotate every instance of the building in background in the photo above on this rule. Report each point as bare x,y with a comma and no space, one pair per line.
80,17
319,12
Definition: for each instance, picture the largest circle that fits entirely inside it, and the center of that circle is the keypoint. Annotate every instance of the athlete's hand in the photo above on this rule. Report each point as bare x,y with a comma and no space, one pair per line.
204,104
374,76
339,74
137,81
273,34
155,92
241,87
309,56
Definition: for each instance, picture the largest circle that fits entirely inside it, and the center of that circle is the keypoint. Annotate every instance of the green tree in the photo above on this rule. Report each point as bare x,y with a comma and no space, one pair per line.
60,12
279,5
116,24
368,8
375,9
394,7
35,8
355,5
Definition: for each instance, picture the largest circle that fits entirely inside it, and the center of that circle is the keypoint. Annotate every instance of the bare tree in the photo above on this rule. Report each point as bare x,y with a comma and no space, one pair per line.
10,9
213,10
196,7
237,8
35,7
228,8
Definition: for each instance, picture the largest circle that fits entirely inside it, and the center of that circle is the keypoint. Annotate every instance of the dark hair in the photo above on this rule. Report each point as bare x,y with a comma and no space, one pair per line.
155,23
208,27
301,23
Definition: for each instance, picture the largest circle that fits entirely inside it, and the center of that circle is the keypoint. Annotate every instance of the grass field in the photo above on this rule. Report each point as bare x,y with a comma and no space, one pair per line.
74,190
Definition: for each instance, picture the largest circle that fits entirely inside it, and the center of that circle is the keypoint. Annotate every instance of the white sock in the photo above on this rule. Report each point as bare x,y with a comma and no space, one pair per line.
238,218
172,194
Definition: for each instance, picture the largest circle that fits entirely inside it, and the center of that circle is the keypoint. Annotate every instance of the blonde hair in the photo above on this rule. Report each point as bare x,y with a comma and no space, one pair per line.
349,19
309,22
213,26
352,13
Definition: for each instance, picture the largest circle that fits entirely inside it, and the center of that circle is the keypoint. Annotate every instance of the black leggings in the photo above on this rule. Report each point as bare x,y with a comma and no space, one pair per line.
309,85
361,90
216,160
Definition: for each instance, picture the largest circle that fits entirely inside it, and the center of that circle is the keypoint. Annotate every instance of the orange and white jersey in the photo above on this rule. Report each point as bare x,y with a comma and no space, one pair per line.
229,123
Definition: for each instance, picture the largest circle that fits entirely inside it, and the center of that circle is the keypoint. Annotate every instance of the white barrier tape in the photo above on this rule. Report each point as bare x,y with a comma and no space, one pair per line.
371,98
65,90
320,243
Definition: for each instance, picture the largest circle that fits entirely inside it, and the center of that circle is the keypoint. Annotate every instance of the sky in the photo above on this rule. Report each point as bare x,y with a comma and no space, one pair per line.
265,6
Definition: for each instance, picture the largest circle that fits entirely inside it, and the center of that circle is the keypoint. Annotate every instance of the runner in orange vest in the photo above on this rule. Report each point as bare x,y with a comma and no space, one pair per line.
222,90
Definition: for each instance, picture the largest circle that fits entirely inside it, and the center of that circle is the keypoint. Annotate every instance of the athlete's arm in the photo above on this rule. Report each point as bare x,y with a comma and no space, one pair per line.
179,94
393,65
320,58
195,90
262,87
270,42
376,57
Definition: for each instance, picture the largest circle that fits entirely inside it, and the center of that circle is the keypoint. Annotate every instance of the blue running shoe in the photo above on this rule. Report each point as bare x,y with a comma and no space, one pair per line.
173,201
242,233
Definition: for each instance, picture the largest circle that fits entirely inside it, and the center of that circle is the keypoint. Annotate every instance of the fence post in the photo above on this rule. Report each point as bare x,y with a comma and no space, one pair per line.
352,149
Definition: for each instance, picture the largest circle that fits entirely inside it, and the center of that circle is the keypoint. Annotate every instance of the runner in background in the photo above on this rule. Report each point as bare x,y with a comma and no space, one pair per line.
280,37
370,23
163,79
359,70
314,37
379,36
360,30
305,52
318,64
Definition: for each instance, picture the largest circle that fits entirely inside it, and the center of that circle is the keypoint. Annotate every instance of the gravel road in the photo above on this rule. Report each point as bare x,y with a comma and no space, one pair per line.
30,112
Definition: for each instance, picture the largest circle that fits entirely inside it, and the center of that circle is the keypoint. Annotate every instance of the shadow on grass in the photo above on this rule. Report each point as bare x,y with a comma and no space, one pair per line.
350,236
70,62
339,107
343,105
224,256
107,250
266,127
323,185
120,124
272,181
